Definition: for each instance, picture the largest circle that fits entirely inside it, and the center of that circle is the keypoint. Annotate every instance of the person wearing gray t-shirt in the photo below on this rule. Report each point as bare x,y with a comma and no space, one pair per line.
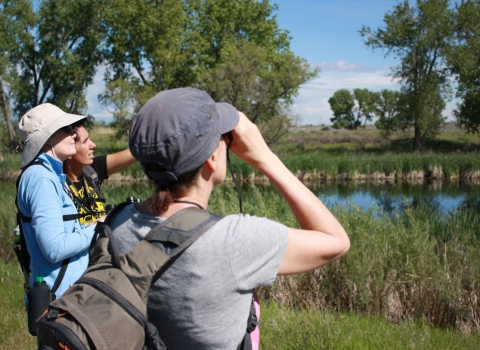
202,301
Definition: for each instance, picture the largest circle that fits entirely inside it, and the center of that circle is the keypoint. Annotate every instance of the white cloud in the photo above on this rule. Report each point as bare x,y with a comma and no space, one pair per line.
97,88
340,66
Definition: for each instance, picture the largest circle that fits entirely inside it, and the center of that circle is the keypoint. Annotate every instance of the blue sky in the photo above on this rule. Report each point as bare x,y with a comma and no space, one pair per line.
325,33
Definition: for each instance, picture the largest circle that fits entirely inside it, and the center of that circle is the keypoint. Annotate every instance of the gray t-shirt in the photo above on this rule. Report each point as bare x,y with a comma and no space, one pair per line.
203,300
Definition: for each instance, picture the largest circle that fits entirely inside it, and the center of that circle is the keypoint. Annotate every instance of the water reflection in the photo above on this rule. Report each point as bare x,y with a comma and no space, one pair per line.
394,197
388,197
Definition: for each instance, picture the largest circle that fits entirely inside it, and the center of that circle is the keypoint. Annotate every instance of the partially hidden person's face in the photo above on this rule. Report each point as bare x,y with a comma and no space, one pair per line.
63,143
85,147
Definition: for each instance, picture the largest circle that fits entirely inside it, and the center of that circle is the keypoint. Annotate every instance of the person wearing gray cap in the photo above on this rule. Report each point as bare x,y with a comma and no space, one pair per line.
49,219
202,301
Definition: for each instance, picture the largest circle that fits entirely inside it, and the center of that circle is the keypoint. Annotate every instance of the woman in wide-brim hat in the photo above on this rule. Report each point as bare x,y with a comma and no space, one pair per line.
50,227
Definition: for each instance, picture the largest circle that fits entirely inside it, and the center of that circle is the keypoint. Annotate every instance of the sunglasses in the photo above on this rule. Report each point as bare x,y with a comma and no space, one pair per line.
69,130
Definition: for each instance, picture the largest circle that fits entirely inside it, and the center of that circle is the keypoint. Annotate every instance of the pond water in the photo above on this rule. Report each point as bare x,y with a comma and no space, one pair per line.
389,197
393,197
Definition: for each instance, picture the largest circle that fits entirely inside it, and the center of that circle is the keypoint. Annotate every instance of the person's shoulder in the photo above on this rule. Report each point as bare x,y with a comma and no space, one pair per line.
37,170
247,219
245,224
130,214
99,161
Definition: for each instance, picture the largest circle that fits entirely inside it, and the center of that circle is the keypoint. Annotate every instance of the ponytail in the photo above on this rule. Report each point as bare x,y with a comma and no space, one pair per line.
167,191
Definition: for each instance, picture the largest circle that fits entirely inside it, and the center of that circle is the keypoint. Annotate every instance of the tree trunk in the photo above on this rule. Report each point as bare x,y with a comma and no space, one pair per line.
417,140
5,104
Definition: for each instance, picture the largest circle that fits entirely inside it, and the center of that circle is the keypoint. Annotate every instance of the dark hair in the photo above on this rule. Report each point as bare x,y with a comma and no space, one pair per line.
75,127
167,191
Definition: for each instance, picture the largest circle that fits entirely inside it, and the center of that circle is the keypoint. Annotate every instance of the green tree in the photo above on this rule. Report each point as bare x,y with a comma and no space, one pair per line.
365,104
8,26
350,110
55,52
342,103
417,35
234,50
464,61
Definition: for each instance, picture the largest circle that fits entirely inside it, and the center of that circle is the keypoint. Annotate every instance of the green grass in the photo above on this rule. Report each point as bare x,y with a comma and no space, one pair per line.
418,264
319,138
403,268
13,318
290,329
319,166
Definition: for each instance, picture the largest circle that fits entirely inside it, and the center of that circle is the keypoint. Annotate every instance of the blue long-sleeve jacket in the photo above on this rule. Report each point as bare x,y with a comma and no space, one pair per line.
50,240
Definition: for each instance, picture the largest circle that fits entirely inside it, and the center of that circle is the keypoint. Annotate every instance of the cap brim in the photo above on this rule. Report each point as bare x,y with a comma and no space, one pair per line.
228,117
38,140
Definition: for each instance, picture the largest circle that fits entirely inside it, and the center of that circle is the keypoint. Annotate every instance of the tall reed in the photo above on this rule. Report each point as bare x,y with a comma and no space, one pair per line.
414,265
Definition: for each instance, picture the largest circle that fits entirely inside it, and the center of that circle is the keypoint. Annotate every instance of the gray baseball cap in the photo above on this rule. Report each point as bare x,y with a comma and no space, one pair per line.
177,130
38,124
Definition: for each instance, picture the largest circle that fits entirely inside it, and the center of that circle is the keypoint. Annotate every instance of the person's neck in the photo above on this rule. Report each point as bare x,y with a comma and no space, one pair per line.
183,203
74,172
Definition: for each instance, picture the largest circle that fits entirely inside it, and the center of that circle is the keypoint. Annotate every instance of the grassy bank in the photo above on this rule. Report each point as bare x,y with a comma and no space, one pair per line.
315,154
325,139
317,166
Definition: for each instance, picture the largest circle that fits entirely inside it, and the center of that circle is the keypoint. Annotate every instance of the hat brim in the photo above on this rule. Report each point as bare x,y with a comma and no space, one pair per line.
38,140
228,117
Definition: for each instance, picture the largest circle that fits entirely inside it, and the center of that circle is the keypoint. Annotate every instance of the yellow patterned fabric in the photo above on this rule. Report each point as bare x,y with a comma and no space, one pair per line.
85,199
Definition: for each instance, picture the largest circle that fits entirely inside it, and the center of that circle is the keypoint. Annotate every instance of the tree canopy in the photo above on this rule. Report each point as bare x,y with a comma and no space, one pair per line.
54,51
234,50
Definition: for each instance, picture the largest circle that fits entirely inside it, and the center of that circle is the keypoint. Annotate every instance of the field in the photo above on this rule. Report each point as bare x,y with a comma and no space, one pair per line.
416,273
410,281
315,154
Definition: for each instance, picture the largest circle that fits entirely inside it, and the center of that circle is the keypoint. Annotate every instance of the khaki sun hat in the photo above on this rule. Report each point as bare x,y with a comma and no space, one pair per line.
38,124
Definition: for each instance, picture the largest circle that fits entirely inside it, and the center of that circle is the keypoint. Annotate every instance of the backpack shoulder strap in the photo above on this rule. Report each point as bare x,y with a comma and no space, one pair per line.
92,177
34,162
102,247
23,218
181,229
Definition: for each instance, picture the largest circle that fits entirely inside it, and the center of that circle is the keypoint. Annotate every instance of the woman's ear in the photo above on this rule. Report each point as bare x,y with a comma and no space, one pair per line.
211,162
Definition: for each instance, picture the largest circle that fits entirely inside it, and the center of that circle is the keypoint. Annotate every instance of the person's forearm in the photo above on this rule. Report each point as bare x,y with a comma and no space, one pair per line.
118,161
